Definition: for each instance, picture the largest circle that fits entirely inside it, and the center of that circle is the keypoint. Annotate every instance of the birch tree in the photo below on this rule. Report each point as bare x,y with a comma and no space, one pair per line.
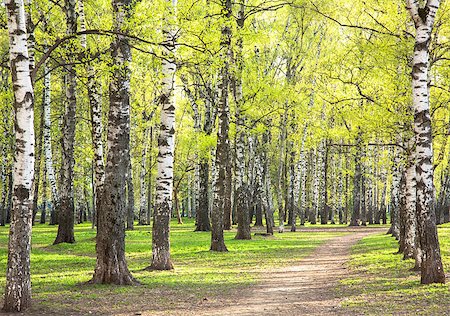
66,203
18,282
223,146
95,102
111,266
166,143
424,17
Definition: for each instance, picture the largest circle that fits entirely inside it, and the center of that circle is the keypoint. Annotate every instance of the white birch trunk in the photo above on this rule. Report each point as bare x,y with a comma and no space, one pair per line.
340,190
423,18
317,181
48,139
31,43
166,143
18,283
304,179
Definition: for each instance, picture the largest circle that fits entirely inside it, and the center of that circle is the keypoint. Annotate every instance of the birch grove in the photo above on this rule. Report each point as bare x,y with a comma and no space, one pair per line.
230,120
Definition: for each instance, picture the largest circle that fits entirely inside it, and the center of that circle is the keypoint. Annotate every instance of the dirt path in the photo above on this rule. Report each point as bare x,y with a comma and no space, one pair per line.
305,289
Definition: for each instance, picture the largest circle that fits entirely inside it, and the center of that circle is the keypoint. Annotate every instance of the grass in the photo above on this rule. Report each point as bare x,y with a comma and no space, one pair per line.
381,283
58,272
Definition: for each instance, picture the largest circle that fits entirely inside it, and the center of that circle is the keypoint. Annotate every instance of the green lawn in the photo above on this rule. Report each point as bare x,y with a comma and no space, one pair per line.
383,284
58,272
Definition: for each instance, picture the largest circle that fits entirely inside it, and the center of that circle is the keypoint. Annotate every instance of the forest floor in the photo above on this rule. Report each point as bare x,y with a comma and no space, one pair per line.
319,270
306,288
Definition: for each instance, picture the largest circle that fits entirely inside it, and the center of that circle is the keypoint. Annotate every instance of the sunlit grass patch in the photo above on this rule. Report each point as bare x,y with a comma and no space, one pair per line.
383,283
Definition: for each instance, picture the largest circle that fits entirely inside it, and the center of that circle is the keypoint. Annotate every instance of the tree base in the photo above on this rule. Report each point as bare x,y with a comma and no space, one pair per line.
166,267
124,278
202,229
66,239
263,234
13,307
243,236
218,247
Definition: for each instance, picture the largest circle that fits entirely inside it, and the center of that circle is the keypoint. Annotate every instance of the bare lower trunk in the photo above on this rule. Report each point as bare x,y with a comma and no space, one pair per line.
203,221
130,196
267,194
142,190
357,185
243,216
402,214
44,197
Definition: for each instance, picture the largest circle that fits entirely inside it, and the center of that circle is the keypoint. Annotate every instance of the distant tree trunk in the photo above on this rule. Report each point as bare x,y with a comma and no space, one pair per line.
111,266
95,102
295,188
228,193
340,191
281,167
357,184
66,203
48,146
370,204
203,221
383,205
37,167
304,181
166,142
18,282
395,192
412,250
142,192
363,210
267,194
402,213
323,148
347,189
240,119
44,196
149,184
243,216
240,154
334,185
258,187
130,195
176,205
197,128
